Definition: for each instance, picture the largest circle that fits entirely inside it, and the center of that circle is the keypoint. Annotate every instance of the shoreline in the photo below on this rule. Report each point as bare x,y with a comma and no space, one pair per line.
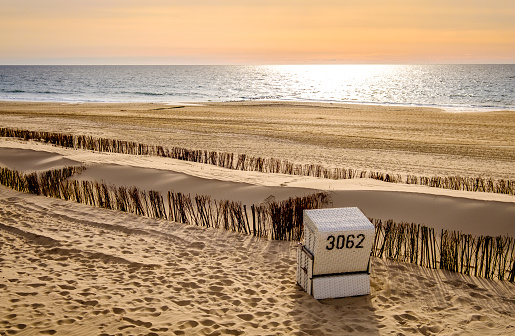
443,108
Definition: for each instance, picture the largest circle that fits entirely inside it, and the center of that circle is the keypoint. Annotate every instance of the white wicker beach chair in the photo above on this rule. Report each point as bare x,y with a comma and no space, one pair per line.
334,260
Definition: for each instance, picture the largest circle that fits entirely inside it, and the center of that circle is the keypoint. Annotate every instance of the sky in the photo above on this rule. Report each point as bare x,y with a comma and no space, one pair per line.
256,31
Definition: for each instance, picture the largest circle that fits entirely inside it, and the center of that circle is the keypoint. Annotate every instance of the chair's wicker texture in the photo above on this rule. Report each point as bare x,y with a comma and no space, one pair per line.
340,239
336,286
334,259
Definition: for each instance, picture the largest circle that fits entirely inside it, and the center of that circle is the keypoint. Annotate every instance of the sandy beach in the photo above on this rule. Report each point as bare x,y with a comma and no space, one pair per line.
71,269
393,139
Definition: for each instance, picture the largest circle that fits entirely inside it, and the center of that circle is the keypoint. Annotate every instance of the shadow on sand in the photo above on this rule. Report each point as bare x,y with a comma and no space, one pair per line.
342,316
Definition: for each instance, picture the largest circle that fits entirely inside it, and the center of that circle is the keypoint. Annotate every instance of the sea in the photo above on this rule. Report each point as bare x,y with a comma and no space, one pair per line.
482,87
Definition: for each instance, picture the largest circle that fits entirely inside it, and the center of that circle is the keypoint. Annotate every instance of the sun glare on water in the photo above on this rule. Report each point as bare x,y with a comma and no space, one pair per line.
334,82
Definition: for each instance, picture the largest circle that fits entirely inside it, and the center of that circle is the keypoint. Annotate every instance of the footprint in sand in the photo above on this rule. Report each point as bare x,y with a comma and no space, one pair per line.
21,326
215,288
246,317
209,323
181,303
88,302
103,312
188,324
429,330
138,323
408,316
66,287
117,310
27,293
66,321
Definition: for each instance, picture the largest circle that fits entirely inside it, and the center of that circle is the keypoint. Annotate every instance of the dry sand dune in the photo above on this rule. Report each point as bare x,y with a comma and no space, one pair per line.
69,269
29,160
472,216
470,212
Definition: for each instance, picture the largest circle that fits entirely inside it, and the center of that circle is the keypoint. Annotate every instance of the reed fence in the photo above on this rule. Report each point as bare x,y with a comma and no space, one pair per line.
276,220
251,163
482,256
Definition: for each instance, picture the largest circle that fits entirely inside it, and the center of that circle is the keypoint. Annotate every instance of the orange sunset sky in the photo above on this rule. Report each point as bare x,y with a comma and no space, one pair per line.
256,31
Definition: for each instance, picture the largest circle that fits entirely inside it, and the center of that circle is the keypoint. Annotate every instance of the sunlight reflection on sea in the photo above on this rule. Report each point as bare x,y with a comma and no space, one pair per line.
451,87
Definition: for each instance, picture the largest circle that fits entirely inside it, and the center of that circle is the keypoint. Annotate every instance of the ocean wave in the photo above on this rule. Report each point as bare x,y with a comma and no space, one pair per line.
12,91
52,92
142,93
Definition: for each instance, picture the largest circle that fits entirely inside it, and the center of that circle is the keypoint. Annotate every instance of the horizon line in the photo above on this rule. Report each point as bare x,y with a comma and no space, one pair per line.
251,64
